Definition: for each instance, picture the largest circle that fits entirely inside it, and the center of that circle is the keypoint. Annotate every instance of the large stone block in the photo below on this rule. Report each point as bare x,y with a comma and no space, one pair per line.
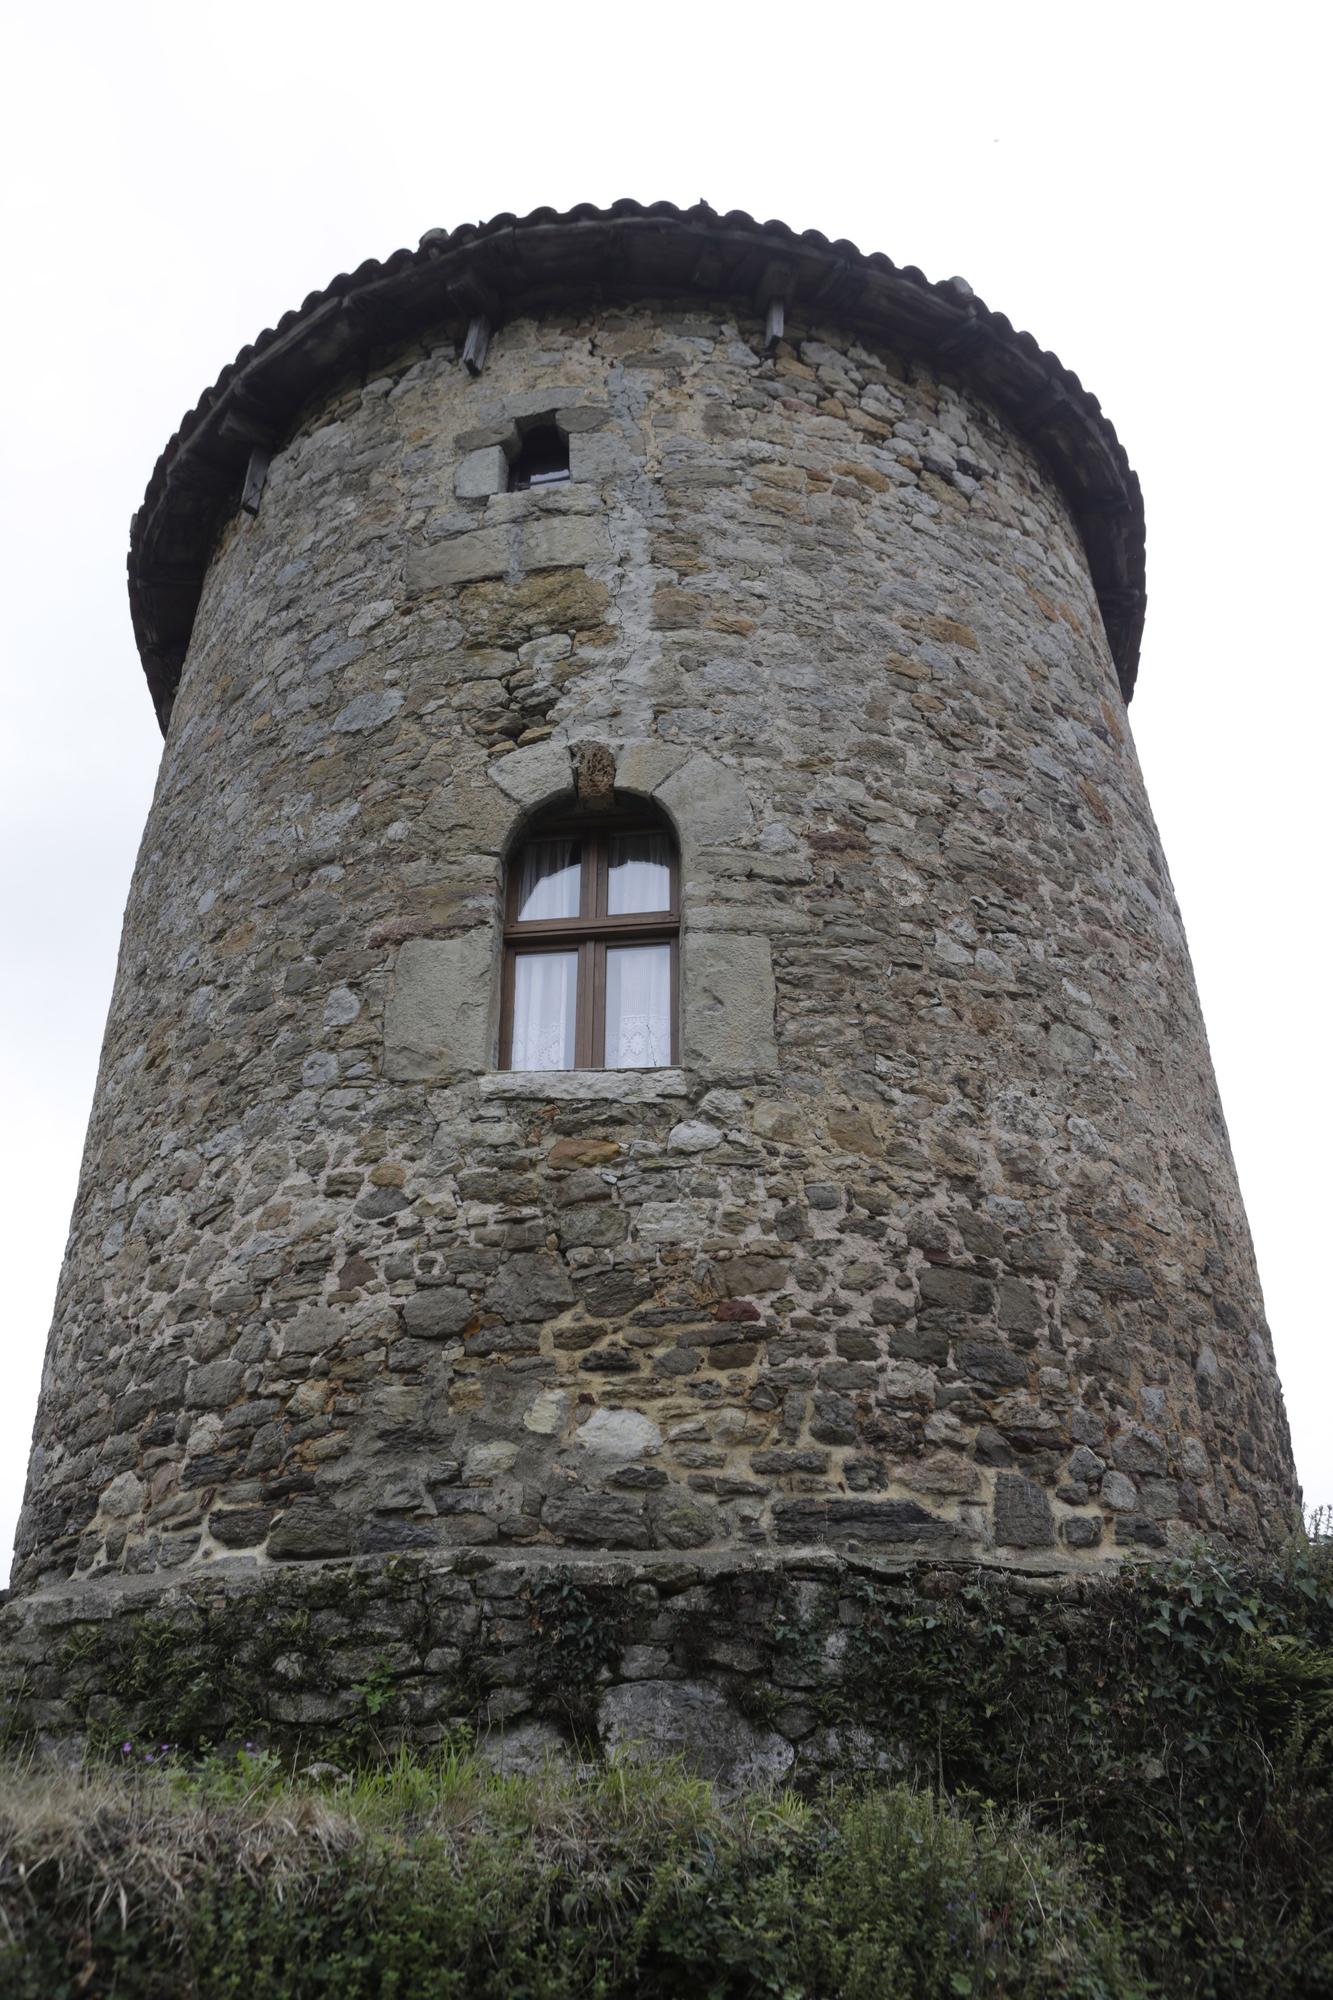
618,1437
530,1285
463,559
437,1017
437,1313
562,541
308,1531
597,1520
873,1521
532,606
601,454
533,775
586,1086
708,802
1023,1518
695,1722
481,472
728,1002
644,766
576,418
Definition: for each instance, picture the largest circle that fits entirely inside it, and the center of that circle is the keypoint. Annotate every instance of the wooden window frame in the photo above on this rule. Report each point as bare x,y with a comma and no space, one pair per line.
590,935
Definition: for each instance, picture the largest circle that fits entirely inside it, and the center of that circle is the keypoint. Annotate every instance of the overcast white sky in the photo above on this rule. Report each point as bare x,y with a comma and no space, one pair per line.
1145,187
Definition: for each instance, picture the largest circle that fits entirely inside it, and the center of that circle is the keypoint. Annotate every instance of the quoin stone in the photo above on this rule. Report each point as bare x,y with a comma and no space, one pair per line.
927,1241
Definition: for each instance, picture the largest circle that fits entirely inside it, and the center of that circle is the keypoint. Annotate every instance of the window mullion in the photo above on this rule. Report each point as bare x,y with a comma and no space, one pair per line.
583,1008
599,1004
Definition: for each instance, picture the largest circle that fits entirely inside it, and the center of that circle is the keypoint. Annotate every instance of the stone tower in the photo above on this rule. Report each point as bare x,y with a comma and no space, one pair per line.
800,598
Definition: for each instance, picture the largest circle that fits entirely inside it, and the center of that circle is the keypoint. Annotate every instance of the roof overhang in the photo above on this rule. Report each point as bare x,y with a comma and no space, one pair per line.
509,265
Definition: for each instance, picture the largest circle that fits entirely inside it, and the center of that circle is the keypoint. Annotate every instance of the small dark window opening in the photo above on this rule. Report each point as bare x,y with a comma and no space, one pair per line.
542,459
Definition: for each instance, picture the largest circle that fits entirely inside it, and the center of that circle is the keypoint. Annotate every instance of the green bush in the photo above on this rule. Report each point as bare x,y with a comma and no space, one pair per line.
892,1893
1181,1725
442,1882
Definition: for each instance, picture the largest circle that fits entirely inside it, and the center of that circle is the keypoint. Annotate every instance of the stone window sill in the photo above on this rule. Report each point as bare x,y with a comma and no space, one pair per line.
587,1086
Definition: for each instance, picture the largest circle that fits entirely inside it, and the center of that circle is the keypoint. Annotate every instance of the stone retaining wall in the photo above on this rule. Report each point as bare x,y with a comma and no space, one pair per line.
754,1670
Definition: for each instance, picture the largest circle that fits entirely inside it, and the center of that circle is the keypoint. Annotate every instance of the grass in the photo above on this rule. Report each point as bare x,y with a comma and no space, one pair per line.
436,1877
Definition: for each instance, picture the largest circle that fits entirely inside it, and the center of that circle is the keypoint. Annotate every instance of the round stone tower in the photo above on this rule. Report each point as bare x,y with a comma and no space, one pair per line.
651,1014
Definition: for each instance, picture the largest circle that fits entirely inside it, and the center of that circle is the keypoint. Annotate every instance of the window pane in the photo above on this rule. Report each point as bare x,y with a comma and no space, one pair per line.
545,984
638,1006
548,879
640,874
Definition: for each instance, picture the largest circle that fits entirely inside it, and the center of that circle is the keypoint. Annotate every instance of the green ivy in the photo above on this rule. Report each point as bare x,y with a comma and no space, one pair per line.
578,1633
1179,1723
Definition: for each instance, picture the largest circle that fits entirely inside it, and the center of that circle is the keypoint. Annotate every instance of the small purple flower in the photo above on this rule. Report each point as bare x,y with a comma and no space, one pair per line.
148,1756
125,1749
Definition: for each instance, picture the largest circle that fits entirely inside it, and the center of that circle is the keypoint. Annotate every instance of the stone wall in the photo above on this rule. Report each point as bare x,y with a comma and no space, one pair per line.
753,1668
933,1241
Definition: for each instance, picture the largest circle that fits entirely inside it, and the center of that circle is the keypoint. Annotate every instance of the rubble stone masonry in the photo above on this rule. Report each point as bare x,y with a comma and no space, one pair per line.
932,1246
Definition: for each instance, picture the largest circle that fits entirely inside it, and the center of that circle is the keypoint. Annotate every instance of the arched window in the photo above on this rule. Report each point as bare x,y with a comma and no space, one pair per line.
592,929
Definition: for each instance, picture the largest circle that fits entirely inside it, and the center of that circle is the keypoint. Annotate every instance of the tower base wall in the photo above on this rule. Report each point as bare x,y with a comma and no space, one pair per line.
754,1669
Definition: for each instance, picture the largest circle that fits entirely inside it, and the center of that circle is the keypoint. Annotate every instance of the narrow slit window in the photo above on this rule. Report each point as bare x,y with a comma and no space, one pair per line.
542,459
592,949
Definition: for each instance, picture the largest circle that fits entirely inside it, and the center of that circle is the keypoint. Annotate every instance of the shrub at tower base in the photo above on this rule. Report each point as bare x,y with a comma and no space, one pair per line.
1125,1789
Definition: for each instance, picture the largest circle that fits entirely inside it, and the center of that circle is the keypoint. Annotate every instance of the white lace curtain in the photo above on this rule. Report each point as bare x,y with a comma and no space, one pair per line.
545,983
638,1006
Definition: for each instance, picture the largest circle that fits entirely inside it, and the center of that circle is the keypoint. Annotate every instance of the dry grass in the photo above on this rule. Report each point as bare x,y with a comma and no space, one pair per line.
138,1842
139,1837
439,1878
